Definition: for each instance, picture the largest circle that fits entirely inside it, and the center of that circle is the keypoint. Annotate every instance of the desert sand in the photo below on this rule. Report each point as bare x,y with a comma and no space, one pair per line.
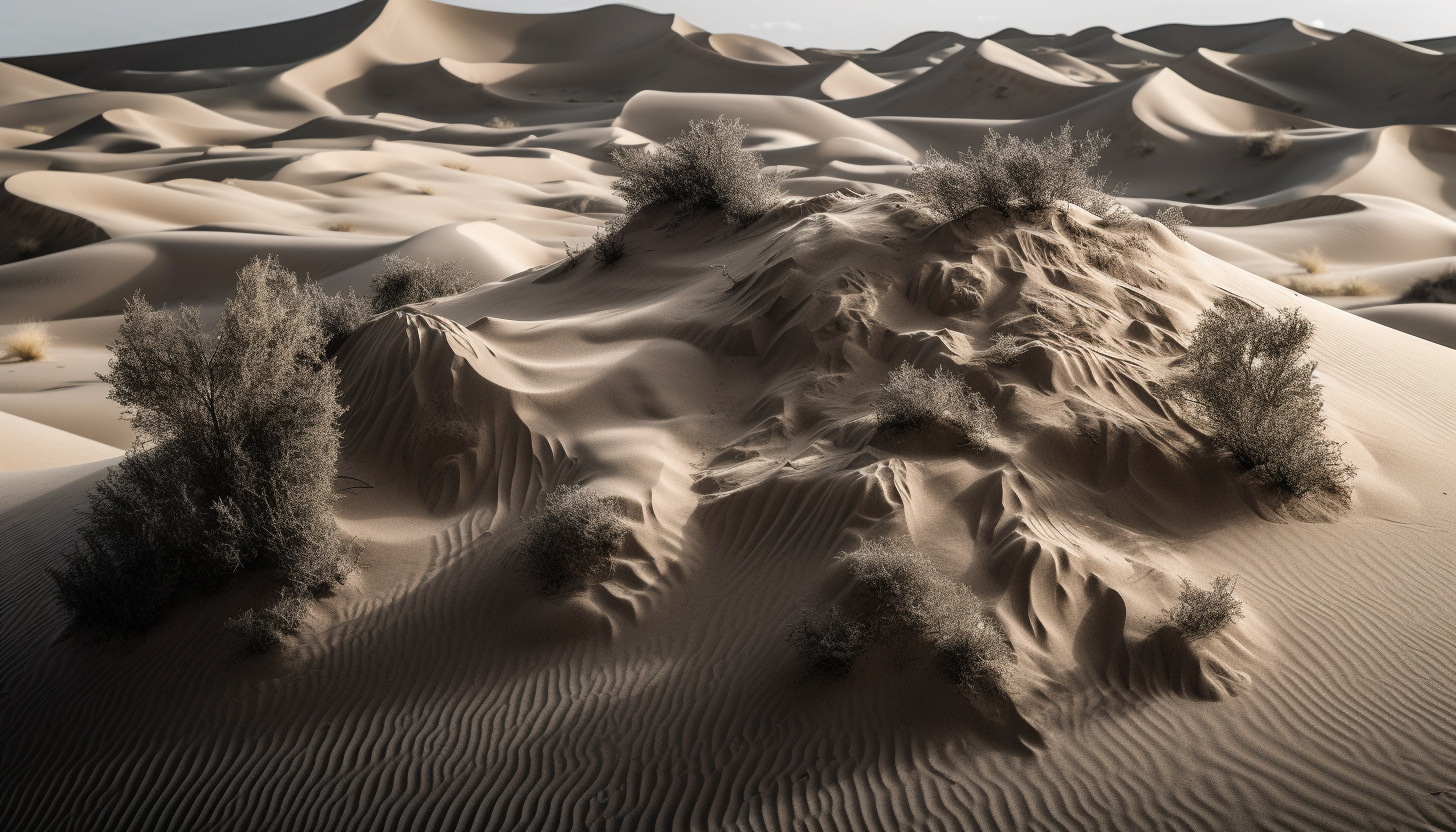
721,384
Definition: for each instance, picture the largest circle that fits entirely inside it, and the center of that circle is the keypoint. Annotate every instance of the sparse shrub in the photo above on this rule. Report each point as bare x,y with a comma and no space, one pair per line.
27,247
28,342
571,540
1247,378
830,643
914,399
1317,288
609,243
1005,349
1267,144
907,597
235,467
500,123
262,629
1012,174
1172,218
1439,289
1311,260
338,315
427,190
705,167
1202,612
460,166
346,227
37,128
406,280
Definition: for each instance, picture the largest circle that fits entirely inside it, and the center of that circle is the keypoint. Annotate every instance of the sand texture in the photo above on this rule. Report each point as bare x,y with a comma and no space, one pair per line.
721,384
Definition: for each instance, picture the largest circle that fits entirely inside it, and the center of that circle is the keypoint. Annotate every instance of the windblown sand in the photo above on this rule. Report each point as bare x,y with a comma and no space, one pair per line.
721,384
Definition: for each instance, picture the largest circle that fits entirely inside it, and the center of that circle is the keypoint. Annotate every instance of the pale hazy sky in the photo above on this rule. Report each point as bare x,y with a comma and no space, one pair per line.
34,27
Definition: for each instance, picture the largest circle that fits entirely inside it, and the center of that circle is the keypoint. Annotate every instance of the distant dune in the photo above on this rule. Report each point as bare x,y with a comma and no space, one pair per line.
721,384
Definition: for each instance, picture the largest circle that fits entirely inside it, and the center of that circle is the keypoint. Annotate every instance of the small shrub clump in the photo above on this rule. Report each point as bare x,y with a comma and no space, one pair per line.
829,643
263,629
1015,175
1319,288
27,343
338,315
1202,612
1246,376
1312,260
1173,219
406,280
907,598
1005,349
235,467
1439,289
1267,144
27,247
571,540
705,167
609,243
914,399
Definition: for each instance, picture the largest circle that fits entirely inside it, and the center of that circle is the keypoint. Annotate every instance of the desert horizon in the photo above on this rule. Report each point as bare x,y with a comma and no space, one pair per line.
420,417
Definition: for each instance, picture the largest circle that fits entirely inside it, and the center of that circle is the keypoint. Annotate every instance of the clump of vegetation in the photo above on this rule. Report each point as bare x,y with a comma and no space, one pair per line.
906,599
571,540
234,470
427,190
1439,289
1247,378
1005,349
460,166
501,123
338,315
1312,260
705,167
406,280
1173,219
1202,612
263,629
609,243
346,227
37,128
1267,144
1318,288
28,342
914,399
27,247
1015,175
830,642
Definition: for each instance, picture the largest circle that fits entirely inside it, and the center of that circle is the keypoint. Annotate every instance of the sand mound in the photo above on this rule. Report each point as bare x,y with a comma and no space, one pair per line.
721,384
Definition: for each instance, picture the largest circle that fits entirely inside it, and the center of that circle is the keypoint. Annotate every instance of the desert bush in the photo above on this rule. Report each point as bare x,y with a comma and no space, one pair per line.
1012,174
829,643
460,166
1439,289
27,247
345,227
1311,260
1267,144
36,128
500,123
705,167
609,243
1005,349
914,399
28,342
338,315
262,629
1172,217
406,280
235,467
1318,288
1202,612
907,597
571,540
1246,377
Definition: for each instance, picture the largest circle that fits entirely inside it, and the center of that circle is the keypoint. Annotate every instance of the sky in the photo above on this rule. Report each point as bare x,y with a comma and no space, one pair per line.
33,28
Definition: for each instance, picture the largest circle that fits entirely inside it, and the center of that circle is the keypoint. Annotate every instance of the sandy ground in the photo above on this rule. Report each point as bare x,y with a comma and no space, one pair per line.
733,418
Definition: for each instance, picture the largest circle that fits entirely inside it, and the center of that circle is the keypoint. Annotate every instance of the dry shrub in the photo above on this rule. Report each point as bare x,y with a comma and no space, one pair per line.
1318,288
28,342
27,247
461,166
705,167
1312,260
609,243
500,123
829,643
1173,219
338,315
1012,174
1439,289
1202,612
262,629
1246,376
406,280
37,128
427,190
915,399
906,597
1267,144
1005,349
346,227
571,540
235,467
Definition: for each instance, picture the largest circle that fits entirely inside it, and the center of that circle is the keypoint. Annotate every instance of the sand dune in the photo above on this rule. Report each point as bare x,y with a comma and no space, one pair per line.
720,383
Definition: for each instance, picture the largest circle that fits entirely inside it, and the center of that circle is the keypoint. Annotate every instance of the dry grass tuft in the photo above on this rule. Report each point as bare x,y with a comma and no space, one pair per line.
1267,144
1312,260
37,128
348,227
465,166
28,343
1202,612
499,123
427,190
1341,288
